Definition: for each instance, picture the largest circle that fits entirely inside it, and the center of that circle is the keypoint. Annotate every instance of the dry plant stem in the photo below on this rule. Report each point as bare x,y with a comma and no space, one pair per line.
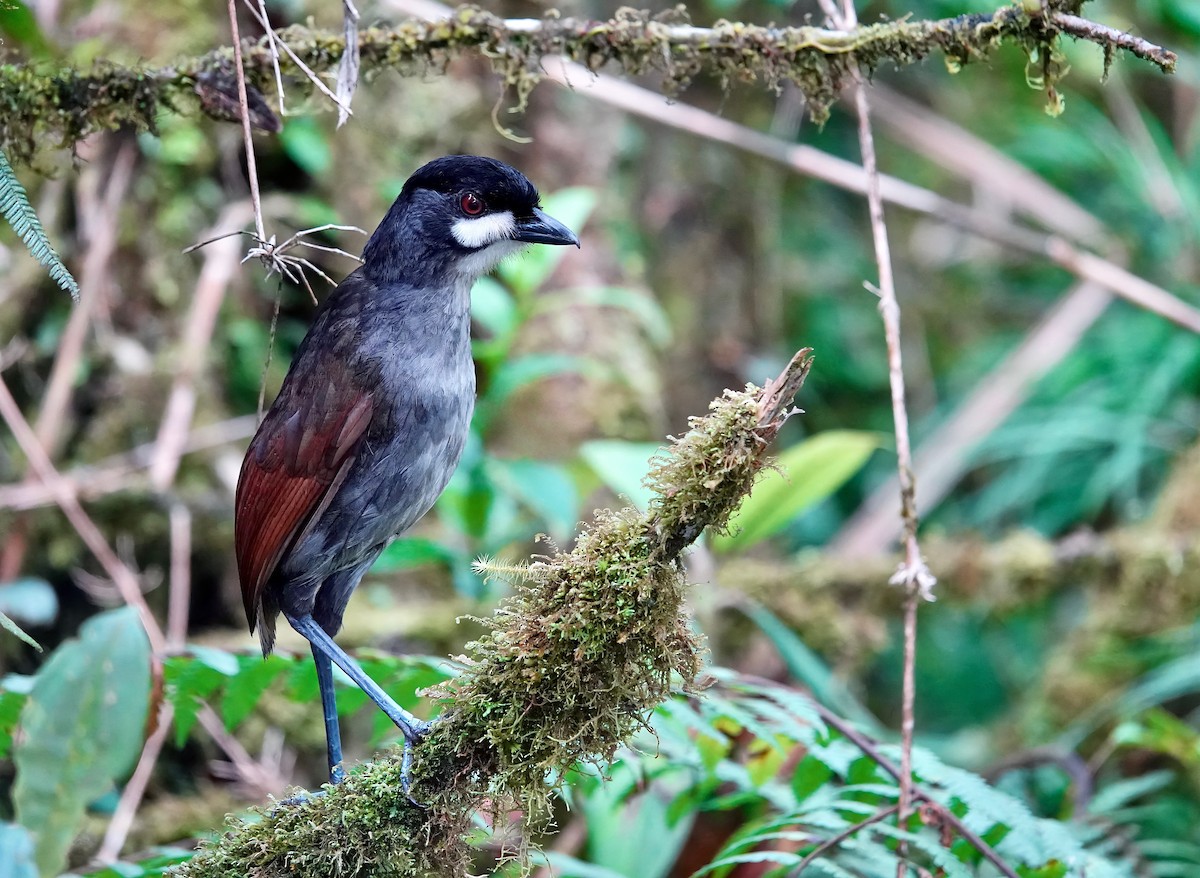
830,843
121,472
869,747
98,212
251,166
846,175
913,575
944,457
220,265
181,579
123,578
135,789
251,772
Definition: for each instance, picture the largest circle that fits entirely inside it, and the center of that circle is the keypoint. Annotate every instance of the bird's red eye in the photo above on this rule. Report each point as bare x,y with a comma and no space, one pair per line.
471,204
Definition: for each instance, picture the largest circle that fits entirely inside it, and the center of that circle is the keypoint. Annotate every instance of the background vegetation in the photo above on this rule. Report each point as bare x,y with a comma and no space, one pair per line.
1055,428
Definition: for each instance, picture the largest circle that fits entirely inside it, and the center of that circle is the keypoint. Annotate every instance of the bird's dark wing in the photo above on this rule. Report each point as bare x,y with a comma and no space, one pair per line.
296,463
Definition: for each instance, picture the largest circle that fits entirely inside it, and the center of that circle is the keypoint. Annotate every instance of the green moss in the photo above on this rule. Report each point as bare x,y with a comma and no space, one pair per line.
572,663
42,107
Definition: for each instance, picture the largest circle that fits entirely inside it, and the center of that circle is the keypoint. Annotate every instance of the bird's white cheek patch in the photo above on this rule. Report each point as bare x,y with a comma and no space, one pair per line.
483,230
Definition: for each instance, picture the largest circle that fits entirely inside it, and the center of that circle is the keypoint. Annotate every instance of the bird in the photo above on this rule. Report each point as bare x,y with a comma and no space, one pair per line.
372,417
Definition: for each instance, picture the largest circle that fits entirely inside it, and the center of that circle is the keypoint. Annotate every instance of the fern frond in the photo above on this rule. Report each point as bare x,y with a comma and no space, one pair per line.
15,206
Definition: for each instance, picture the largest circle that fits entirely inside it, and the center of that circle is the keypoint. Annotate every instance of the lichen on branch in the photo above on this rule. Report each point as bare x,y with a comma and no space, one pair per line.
41,107
573,662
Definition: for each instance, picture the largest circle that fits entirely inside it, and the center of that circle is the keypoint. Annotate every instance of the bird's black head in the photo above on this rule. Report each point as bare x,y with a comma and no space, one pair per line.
460,215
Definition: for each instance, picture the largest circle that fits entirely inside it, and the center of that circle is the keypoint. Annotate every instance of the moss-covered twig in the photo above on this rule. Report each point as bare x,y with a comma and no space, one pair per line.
41,106
590,642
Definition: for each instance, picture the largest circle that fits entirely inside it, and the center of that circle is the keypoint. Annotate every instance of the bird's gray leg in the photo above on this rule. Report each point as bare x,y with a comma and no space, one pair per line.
333,734
412,728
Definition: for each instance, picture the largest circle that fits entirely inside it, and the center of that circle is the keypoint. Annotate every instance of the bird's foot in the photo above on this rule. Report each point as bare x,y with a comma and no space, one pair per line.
414,732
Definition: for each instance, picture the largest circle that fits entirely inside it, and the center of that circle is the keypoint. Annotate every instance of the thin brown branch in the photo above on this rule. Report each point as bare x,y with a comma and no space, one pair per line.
832,842
180,583
123,578
944,456
121,472
247,134
98,211
1102,34
135,789
220,264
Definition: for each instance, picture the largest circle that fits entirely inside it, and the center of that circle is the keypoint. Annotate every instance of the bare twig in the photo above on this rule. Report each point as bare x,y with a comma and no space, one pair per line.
135,789
97,215
274,41
220,263
945,455
123,578
912,573
1094,32
116,473
180,579
250,771
834,841
247,136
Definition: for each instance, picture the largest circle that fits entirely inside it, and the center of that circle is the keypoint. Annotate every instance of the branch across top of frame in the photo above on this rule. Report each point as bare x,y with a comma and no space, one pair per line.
55,107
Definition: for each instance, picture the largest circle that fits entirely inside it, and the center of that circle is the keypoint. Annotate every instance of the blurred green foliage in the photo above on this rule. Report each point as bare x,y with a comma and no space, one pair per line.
716,266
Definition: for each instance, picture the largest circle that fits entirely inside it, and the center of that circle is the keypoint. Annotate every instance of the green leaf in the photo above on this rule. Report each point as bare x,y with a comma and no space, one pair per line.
242,690
493,308
511,375
32,601
188,682
806,667
622,466
20,26
544,488
410,552
525,274
16,852
14,629
82,728
15,206
11,704
306,144
802,476
640,305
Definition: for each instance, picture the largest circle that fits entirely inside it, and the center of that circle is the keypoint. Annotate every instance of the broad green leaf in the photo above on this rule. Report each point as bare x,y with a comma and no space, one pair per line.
543,487
21,28
82,729
306,144
511,375
806,667
640,305
410,552
622,466
800,477
525,274
492,307
16,852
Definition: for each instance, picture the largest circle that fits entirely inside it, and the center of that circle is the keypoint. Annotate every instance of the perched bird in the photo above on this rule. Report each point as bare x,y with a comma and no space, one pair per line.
373,414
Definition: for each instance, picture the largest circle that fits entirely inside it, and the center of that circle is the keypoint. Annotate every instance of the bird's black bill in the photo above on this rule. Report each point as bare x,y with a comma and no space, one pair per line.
541,228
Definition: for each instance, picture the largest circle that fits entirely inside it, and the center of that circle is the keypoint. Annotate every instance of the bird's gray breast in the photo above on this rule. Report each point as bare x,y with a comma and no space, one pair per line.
423,408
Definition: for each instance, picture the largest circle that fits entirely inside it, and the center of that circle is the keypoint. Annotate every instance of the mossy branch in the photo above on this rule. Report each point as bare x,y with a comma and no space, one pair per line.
589,643
40,106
